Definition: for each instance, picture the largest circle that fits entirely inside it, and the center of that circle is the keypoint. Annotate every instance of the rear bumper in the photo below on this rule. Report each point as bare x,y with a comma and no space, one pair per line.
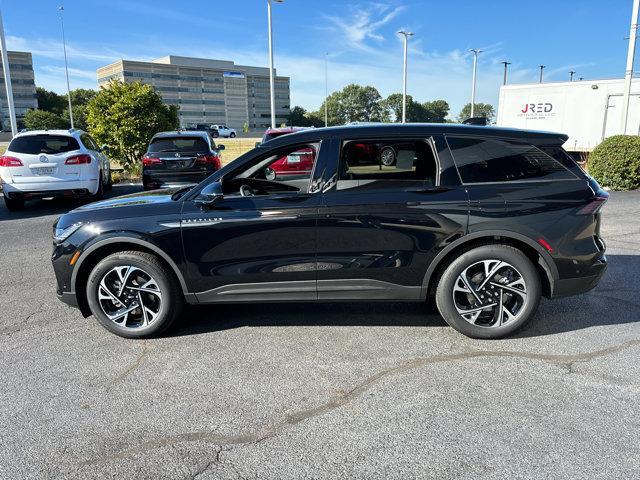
575,286
50,189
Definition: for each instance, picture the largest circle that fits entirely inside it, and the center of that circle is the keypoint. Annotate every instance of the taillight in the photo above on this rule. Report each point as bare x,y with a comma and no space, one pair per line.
10,162
147,161
209,160
78,160
594,205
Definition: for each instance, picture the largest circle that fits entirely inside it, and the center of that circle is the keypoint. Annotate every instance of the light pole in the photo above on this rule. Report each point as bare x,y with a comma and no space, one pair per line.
7,80
473,80
571,74
504,78
66,68
326,90
541,67
271,79
405,36
631,53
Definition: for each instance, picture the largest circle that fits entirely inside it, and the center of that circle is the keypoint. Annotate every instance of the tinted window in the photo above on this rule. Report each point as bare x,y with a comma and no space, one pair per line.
50,144
178,144
373,164
484,160
88,142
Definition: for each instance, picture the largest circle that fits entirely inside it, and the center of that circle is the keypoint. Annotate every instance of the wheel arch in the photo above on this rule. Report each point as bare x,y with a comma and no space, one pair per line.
536,253
105,247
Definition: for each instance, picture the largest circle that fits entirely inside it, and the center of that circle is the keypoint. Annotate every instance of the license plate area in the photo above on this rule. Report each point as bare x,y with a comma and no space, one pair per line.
42,171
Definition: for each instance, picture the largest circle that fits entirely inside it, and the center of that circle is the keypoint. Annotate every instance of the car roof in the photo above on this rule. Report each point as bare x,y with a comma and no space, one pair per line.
182,133
417,129
285,130
71,132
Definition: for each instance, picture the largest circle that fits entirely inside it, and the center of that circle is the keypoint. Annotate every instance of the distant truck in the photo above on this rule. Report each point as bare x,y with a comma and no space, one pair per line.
588,111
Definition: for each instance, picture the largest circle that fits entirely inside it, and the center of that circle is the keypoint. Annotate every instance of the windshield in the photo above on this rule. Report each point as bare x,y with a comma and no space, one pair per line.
178,144
51,144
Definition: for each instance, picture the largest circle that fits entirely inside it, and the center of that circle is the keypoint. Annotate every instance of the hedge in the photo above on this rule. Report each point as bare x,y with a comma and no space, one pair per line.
615,163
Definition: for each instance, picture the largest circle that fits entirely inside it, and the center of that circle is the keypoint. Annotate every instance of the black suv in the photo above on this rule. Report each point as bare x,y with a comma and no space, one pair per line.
179,158
482,221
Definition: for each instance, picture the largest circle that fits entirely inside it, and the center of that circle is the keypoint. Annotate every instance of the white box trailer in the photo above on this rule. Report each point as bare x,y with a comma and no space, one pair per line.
588,111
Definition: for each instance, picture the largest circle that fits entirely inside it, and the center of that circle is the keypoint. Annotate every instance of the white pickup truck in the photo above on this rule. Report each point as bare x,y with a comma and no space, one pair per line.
225,131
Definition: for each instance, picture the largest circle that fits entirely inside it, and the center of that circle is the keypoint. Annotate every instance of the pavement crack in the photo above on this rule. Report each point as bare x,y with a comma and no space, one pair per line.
136,364
565,361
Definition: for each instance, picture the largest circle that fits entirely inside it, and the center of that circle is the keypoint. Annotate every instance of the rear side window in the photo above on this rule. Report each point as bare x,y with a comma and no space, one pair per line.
178,144
49,144
490,160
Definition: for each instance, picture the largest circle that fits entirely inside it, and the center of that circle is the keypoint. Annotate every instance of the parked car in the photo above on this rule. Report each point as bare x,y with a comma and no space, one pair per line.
481,221
272,133
204,127
225,131
49,163
179,158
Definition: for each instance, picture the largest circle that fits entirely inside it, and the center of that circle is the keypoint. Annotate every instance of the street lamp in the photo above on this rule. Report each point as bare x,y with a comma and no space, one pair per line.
405,36
473,81
504,78
326,89
66,68
271,79
541,67
628,76
7,81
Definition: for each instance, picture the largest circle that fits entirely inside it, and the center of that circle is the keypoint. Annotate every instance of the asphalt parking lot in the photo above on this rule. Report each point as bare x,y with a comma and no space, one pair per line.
317,391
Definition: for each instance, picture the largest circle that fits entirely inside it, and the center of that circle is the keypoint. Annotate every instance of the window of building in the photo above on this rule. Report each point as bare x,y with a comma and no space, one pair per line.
373,164
482,160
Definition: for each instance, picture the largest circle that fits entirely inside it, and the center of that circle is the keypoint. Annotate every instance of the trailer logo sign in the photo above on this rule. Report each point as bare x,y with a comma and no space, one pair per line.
537,110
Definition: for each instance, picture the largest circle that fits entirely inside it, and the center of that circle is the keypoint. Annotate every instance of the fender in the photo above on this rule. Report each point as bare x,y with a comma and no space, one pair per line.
131,239
547,261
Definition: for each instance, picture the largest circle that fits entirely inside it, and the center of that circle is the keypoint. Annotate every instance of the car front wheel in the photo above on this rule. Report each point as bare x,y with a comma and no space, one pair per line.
133,295
232,135
489,292
388,156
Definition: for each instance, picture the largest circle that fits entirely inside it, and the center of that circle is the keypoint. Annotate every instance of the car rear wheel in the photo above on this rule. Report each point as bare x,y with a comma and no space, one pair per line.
14,204
133,295
109,183
232,135
489,292
388,156
100,192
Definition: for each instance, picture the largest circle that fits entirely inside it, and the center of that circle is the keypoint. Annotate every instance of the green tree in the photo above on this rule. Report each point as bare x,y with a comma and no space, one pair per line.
297,117
82,96
50,101
124,116
354,103
43,120
485,110
435,111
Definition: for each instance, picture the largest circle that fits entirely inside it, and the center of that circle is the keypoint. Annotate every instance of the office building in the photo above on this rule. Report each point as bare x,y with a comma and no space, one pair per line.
23,85
208,91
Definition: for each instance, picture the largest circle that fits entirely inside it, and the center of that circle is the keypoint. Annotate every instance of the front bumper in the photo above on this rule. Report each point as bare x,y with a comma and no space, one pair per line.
68,297
575,286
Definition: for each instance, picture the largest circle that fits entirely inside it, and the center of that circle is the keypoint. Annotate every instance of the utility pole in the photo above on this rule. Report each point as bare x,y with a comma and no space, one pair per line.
326,90
406,36
571,74
628,76
542,67
7,80
504,78
271,79
66,68
475,52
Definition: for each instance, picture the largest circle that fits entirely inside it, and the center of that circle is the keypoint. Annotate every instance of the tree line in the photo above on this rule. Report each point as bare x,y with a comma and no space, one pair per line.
357,103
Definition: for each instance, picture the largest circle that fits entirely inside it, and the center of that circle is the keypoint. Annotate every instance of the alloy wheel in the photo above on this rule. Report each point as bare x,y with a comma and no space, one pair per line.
129,297
388,157
490,293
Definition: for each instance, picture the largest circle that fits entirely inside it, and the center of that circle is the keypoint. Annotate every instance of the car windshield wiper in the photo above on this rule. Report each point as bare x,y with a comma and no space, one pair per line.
179,193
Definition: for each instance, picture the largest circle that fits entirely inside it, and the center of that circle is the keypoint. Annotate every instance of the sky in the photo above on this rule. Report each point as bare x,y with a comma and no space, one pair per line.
357,38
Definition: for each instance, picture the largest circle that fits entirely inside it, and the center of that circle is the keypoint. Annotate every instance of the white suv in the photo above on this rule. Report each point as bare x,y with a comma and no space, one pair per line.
47,163
225,131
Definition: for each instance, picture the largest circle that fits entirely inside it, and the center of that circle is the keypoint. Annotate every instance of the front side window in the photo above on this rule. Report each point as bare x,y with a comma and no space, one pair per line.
49,144
367,164
288,169
481,160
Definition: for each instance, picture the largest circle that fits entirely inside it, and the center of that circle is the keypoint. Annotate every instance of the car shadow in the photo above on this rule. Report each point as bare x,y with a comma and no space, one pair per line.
58,206
608,304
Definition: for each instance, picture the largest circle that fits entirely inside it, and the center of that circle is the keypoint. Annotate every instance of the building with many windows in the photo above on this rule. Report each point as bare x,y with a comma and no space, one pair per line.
23,86
208,91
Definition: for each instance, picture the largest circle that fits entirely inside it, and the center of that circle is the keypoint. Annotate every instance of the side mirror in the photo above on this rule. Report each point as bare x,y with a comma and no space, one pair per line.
220,147
258,144
210,194
104,148
269,173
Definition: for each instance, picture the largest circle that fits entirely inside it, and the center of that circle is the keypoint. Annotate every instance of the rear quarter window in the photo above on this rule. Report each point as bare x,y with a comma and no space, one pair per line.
49,144
482,160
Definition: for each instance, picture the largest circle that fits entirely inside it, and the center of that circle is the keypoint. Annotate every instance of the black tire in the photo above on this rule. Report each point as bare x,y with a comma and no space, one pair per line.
171,297
14,204
215,134
100,192
109,186
524,269
232,135
388,156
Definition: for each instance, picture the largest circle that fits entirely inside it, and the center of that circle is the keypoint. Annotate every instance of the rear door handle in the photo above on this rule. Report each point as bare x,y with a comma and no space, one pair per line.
429,190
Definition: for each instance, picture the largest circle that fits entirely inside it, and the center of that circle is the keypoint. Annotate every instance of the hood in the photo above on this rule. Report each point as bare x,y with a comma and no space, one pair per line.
152,197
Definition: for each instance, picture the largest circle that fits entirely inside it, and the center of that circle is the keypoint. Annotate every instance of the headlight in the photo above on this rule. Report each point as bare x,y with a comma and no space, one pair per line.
61,234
